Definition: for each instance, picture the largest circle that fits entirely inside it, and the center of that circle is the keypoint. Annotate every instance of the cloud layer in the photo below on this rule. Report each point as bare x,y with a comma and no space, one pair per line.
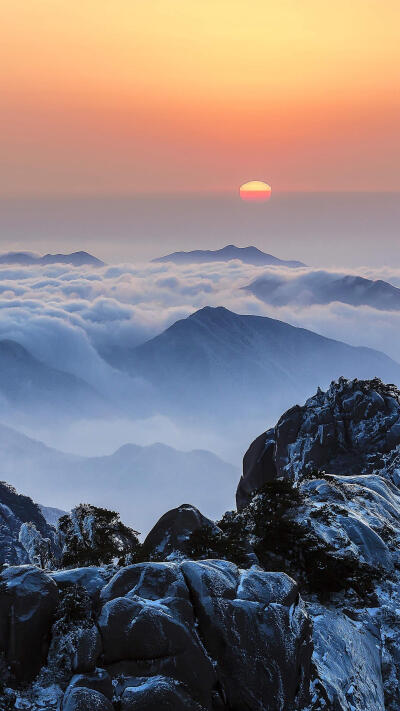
67,316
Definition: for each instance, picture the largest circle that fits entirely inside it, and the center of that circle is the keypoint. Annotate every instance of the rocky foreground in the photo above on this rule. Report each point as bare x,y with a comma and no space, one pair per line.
290,603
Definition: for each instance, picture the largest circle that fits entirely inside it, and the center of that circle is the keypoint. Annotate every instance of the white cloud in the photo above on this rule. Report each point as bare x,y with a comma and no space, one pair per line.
65,314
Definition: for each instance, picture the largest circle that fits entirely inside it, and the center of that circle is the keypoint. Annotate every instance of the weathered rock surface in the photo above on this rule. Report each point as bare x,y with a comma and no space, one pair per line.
347,656
353,428
157,694
84,699
201,636
28,599
170,534
209,636
341,452
92,578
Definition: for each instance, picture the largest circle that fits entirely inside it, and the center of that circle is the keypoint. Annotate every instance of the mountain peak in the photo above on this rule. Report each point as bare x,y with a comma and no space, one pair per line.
209,311
247,255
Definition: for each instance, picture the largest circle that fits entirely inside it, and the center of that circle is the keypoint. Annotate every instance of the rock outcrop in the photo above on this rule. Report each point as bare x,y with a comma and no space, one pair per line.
16,510
318,503
172,531
337,462
28,599
203,635
353,428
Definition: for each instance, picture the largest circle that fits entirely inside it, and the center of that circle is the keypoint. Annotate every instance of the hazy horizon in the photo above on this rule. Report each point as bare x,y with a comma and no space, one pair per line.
321,229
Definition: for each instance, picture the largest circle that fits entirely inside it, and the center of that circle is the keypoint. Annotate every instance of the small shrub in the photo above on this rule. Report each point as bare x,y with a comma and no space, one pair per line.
203,543
74,608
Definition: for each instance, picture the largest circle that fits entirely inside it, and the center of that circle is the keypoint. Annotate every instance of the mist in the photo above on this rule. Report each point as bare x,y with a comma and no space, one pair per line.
223,385
321,229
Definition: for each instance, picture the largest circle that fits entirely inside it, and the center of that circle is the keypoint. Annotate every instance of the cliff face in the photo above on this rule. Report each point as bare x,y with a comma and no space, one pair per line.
353,428
339,454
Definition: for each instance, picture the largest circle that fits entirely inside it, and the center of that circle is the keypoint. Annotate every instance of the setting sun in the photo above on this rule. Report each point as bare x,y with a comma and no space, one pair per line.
255,191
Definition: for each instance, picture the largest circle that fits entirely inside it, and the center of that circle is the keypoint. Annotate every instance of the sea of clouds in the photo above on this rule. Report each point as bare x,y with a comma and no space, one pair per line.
69,316
66,314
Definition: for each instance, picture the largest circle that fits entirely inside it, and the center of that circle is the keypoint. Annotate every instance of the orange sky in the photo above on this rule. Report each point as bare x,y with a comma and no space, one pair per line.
170,95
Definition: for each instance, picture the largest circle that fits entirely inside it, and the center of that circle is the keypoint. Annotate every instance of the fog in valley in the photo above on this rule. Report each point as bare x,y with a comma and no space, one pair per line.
122,376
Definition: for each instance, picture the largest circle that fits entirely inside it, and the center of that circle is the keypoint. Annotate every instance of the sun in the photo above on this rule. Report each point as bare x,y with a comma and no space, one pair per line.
255,191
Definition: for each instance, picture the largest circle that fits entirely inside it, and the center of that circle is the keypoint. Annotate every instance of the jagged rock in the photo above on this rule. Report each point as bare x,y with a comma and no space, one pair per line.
172,531
258,467
28,600
340,454
350,429
208,636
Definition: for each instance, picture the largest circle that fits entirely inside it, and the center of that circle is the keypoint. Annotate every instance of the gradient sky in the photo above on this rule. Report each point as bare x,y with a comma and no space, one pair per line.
124,96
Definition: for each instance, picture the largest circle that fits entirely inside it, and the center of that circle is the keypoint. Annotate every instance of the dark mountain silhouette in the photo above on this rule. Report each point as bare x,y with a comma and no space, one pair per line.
216,362
77,259
321,288
248,255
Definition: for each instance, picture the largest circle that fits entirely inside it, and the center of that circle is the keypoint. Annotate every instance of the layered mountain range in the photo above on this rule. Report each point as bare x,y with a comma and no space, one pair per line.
121,480
30,386
222,361
229,363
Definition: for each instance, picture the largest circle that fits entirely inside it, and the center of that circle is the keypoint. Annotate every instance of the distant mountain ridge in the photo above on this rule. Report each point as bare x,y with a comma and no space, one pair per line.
120,481
248,255
27,383
216,361
323,288
77,259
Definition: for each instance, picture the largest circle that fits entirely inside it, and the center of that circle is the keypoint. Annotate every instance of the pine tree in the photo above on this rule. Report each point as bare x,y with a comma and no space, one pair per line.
91,535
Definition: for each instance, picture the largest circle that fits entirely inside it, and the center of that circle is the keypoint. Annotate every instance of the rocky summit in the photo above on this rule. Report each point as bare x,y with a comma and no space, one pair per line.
334,465
290,603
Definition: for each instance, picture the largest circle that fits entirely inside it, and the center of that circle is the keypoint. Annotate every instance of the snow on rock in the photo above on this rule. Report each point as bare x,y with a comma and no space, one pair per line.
16,510
352,428
341,452
158,692
171,532
38,548
28,599
83,699
201,636
92,578
348,660
257,640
